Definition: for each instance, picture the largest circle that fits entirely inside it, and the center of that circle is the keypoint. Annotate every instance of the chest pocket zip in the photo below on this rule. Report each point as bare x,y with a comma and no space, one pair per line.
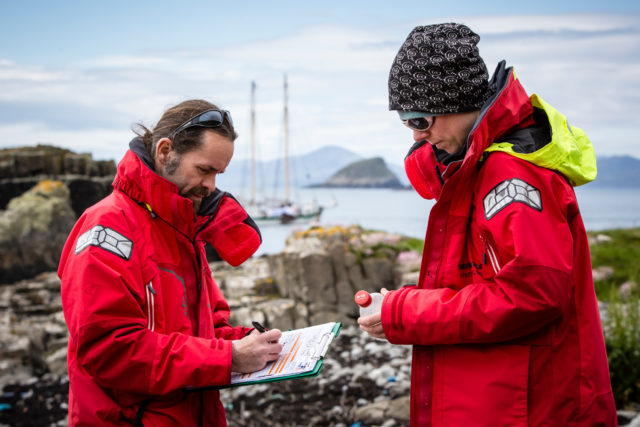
151,319
493,258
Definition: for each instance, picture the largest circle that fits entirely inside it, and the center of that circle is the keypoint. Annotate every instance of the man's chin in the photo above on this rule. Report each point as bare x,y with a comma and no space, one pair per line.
197,201
196,204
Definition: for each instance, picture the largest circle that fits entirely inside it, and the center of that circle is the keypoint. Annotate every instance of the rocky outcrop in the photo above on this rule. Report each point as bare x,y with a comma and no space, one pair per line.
316,276
22,168
33,230
369,173
33,333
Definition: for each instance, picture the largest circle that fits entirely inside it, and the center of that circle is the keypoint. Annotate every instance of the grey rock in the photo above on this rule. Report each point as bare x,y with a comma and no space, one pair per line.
373,413
33,230
399,408
602,273
22,168
78,164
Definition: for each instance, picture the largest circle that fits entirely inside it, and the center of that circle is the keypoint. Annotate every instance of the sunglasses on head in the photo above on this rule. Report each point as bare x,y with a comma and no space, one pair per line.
207,119
420,123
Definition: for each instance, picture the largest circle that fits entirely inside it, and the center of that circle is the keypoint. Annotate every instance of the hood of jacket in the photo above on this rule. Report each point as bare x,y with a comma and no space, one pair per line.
220,221
137,178
552,144
517,122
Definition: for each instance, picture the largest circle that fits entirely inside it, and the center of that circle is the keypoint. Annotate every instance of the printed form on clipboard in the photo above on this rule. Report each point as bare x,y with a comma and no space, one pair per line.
302,355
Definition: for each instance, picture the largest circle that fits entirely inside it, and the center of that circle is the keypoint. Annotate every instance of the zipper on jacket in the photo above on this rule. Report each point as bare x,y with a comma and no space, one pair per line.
194,243
151,318
493,258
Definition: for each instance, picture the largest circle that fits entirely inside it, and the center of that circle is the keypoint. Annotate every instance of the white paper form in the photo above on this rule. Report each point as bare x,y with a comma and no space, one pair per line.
301,350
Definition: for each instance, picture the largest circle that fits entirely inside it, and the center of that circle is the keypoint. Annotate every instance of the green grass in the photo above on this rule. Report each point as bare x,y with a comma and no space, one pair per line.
623,254
622,324
622,338
411,244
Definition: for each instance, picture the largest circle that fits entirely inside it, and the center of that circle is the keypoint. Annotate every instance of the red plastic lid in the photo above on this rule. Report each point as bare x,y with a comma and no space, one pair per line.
363,299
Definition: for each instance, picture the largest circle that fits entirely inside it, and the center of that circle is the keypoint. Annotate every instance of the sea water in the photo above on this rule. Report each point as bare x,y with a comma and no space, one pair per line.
405,212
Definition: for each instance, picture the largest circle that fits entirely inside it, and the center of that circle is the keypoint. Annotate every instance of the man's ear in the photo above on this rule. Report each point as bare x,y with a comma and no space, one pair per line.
163,148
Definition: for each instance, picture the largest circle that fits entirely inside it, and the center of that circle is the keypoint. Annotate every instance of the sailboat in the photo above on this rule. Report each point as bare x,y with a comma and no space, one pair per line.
277,210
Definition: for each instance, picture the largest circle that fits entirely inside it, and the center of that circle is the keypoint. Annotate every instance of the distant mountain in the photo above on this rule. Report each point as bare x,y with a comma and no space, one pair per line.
305,170
317,167
617,171
368,173
398,170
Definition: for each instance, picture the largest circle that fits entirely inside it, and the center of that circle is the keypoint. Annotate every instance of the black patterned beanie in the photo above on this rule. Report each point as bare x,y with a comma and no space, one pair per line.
438,70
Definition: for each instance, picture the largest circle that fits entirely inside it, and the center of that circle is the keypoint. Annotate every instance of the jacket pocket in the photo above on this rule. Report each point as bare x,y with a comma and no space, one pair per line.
490,258
481,385
172,307
151,306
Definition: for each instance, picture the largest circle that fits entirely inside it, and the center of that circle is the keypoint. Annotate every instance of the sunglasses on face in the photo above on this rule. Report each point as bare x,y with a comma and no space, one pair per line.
420,123
207,119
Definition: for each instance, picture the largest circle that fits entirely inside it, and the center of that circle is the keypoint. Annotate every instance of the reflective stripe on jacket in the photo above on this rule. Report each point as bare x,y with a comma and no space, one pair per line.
146,319
504,320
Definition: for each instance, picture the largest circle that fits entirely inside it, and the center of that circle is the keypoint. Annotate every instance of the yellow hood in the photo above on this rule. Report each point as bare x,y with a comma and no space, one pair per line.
568,150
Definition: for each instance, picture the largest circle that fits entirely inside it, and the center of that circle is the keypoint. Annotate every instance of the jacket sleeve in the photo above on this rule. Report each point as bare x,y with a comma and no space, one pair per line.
231,231
530,245
103,298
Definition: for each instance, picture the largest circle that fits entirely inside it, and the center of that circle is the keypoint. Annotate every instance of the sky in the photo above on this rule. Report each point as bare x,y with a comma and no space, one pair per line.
80,74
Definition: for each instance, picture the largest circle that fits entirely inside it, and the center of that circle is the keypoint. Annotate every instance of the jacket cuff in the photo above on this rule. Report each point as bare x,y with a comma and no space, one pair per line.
392,315
226,347
232,232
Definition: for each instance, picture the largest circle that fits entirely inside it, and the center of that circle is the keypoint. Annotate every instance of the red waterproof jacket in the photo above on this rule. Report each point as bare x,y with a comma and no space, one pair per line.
504,321
146,319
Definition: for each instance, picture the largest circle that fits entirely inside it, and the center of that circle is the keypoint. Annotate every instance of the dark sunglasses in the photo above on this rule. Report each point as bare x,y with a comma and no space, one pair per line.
207,119
420,123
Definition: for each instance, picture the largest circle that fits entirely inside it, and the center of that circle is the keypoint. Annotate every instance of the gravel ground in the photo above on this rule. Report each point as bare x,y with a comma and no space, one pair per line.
364,382
358,372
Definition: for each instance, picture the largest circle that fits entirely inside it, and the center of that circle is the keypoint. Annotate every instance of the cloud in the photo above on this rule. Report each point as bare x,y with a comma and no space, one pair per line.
59,115
587,66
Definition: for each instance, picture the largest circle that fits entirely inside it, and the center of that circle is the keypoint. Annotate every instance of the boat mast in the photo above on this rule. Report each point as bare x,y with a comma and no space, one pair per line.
286,140
253,143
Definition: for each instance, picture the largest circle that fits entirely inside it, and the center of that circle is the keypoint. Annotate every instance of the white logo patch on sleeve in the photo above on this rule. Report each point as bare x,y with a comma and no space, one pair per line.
107,239
510,191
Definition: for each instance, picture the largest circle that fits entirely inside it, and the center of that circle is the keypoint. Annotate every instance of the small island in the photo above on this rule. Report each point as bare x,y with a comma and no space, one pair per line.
368,173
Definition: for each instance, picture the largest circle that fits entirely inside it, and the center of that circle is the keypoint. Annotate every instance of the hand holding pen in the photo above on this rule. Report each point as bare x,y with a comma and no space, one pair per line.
254,351
259,327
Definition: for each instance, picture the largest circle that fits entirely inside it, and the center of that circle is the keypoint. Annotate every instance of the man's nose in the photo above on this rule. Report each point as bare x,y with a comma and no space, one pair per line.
419,135
209,182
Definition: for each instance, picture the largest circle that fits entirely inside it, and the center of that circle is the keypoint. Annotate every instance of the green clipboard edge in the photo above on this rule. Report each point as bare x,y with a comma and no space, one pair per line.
316,370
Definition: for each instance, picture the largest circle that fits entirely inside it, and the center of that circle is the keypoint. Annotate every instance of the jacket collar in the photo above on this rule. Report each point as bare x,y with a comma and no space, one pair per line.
137,178
507,110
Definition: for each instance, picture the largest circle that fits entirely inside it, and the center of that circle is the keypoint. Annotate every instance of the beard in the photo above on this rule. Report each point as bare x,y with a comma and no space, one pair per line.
168,172
197,191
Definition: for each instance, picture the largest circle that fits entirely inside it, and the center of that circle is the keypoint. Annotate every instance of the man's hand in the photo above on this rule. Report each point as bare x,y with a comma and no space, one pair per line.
254,351
373,324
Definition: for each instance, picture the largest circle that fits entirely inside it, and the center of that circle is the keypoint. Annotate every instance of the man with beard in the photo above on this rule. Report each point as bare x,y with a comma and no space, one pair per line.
504,320
148,326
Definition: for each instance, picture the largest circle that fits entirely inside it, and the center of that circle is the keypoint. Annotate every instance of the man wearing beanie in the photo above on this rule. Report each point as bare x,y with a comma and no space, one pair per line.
504,320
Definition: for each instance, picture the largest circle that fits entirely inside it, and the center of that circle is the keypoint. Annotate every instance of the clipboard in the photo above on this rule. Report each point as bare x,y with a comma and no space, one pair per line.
303,352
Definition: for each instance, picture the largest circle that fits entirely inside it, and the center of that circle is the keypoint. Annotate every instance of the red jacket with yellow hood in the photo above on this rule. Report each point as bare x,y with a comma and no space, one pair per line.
504,319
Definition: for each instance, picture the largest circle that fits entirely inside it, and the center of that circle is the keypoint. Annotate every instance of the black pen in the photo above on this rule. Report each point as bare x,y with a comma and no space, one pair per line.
259,327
